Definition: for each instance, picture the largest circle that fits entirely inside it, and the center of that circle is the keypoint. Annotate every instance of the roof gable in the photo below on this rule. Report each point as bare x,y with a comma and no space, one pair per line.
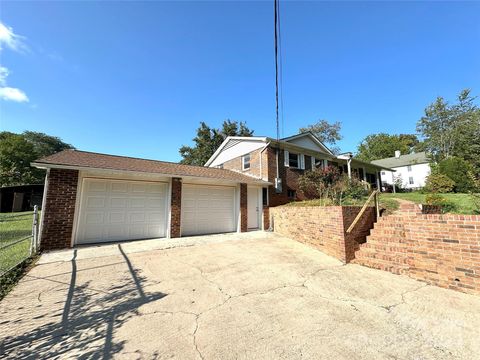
235,146
308,141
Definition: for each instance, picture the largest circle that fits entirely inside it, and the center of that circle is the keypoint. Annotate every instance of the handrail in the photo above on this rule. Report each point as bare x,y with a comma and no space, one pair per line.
364,207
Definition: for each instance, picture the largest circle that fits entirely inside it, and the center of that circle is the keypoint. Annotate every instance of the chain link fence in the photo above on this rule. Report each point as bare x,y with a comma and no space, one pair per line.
18,239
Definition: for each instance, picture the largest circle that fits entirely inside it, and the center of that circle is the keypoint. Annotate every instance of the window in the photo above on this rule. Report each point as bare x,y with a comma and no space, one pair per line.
410,180
291,194
313,162
294,160
246,162
409,168
383,172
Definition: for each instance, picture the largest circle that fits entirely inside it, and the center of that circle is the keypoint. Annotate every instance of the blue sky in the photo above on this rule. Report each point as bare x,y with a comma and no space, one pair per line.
136,79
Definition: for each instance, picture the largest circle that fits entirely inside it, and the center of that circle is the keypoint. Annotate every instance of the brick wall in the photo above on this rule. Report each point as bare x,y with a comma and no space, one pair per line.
243,208
255,157
324,227
442,250
266,218
59,209
176,208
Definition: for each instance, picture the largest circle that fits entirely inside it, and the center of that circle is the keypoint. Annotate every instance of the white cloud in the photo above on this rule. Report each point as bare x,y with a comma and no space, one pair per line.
13,94
3,75
11,40
8,39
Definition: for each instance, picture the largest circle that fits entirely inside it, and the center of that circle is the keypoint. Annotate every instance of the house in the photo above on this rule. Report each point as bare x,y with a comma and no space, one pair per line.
95,198
281,162
20,197
411,170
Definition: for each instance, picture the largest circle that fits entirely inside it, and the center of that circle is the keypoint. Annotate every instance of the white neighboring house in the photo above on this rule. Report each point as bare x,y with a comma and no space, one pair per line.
411,169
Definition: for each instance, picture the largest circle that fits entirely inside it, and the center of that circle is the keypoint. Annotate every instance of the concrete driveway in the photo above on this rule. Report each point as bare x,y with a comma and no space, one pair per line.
246,296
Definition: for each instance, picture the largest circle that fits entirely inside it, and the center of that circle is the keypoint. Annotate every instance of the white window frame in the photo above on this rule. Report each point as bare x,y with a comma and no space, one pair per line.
300,161
244,157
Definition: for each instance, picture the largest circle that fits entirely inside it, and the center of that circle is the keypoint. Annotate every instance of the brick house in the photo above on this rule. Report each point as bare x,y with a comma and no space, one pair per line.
96,198
282,162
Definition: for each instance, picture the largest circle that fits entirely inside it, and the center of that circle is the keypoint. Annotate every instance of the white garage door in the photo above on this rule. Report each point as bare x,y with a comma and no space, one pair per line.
207,209
115,210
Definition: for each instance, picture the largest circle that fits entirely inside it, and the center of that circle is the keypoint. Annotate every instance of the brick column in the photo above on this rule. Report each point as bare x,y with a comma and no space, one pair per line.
243,208
59,209
176,208
266,218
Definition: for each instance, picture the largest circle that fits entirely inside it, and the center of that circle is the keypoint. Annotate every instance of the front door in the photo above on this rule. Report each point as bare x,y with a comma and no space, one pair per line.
253,208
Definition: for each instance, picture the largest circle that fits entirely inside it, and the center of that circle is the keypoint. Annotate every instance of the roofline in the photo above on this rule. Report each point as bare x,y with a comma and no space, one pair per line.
370,164
301,149
41,165
225,142
310,134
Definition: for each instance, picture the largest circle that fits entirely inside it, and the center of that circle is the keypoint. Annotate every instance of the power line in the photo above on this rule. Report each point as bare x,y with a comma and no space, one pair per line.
275,5
280,68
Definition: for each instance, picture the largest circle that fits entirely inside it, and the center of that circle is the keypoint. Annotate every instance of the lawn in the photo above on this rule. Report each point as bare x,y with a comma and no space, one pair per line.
14,226
461,203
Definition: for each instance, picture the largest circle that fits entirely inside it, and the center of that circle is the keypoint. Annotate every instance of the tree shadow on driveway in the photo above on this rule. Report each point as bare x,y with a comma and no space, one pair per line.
88,320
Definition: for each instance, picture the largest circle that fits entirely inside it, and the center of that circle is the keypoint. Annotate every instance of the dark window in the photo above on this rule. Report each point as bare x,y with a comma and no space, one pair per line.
409,168
293,160
246,162
265,197
291,194
410,180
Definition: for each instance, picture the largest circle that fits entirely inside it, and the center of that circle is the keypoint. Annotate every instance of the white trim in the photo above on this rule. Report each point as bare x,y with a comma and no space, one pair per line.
243,162
44,204
76,215
312,159
311,136
286,158
225,142
301,161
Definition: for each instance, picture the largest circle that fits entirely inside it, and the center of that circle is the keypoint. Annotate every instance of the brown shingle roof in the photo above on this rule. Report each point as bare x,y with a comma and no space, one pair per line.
84,159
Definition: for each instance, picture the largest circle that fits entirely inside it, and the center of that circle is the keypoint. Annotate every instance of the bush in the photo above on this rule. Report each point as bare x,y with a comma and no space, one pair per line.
439,183
437,200
330,186
457,169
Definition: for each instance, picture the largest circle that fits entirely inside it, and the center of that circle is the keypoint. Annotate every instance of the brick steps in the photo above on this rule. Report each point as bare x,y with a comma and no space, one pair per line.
386,243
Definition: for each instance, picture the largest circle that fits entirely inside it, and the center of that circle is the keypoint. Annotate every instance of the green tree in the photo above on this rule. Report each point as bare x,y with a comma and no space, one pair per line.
452,129
458,170
382,145
17,151
209,139
328,133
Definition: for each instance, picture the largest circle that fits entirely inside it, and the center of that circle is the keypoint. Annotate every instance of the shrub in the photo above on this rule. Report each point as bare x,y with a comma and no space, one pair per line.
330,186
439,183
437,200
457,169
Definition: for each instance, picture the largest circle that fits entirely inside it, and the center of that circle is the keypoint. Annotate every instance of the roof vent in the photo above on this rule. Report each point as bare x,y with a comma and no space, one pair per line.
397,153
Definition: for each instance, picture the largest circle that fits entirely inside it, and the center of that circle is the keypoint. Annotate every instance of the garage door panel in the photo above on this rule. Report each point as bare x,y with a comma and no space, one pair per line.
114,210
207,209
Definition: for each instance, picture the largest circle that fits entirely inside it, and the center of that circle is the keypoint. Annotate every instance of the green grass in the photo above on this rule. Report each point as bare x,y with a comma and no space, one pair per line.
386,203
14,226
461,203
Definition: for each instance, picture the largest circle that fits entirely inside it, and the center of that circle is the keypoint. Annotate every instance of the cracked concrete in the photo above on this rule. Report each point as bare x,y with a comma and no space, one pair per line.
246,297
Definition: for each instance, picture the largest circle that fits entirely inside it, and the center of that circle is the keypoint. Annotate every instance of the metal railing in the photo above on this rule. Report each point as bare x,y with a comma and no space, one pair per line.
373,195
18,239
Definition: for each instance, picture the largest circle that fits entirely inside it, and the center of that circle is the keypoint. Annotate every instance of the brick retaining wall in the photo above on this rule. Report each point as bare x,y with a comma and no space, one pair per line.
324,227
